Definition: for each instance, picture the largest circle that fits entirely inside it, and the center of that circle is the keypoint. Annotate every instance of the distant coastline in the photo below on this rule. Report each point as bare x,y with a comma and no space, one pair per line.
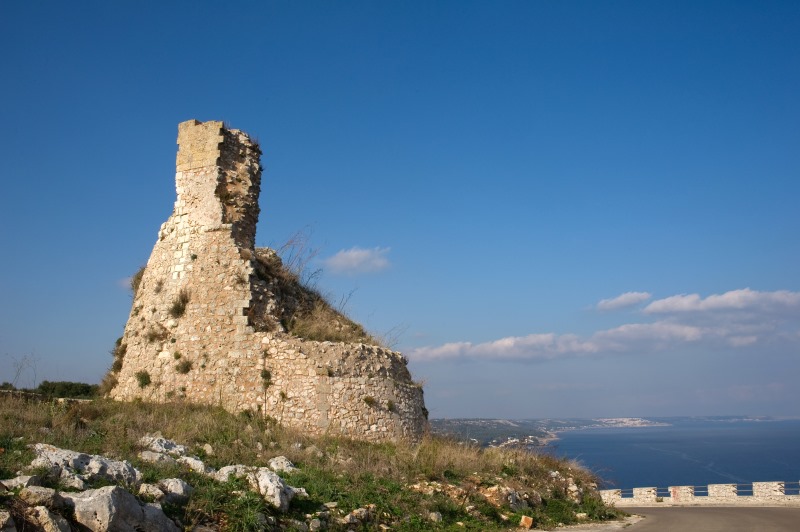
536,433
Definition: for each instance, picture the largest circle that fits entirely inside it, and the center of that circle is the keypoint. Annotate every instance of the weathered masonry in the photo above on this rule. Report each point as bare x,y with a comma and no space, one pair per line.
211,315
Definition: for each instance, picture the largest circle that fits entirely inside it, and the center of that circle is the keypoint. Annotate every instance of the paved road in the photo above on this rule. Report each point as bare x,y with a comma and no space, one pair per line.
716,519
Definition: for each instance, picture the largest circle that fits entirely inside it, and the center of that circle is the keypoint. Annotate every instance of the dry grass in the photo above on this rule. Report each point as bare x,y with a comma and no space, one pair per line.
178,307
321,322
332,469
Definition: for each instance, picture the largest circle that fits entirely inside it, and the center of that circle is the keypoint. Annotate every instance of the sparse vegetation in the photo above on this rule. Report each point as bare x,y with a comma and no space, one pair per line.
155,333
136,280
143,378
369,400
350,473
312,316
266,378
184,366
178,307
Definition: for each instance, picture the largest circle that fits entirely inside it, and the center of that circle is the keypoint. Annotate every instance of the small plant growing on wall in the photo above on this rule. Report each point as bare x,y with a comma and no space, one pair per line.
157,332
183,367
176,355
136,281
390,406
159,286
266,378
143,378
369,400
178,307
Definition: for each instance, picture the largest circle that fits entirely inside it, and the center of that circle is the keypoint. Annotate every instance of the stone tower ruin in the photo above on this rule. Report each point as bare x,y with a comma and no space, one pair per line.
215,320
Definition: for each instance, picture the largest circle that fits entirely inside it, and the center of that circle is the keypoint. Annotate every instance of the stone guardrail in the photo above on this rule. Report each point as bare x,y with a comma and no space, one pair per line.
755,494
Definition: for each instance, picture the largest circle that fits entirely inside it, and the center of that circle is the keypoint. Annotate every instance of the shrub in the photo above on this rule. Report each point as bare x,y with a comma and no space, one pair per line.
156,332
183,367
178,307
67,389
136,280
369,400
143,378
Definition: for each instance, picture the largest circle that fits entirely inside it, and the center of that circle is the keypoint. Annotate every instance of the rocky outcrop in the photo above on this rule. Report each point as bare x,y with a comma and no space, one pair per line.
115,507
211,315
78,469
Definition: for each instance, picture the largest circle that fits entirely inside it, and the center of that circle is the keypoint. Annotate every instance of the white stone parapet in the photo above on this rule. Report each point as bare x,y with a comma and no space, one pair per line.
751,494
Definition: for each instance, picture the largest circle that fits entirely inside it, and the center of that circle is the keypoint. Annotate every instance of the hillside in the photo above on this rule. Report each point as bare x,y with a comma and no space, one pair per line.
437,484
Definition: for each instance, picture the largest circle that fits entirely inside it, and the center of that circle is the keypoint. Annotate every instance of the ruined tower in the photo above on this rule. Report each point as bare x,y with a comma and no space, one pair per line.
213,317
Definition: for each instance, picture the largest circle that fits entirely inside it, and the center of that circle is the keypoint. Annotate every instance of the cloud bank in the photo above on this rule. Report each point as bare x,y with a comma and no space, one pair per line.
357,260
628,299
735,319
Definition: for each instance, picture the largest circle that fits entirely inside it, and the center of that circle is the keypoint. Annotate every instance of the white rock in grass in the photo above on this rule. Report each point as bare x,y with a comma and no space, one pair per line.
22,481
156,458
265,482
158,444
113,508
280,464
151,491
195,464
176,491
91,466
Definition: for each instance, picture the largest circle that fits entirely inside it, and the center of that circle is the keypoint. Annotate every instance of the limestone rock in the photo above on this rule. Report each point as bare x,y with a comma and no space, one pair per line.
22,481
89,466
151,491
113,508
6,522
526,522
157,444
156,458
47,520
574,493
235,471
264,481
176,491
40,496
195,464
272,488
280,464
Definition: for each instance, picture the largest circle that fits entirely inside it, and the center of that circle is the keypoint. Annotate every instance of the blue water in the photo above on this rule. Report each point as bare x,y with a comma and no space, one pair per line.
687,453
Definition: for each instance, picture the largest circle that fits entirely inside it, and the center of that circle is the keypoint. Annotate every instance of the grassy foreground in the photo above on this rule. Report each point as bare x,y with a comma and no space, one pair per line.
452,478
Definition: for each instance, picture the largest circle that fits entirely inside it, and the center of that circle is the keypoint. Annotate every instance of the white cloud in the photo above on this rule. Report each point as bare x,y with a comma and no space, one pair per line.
744,299
358,260
624,300
765,320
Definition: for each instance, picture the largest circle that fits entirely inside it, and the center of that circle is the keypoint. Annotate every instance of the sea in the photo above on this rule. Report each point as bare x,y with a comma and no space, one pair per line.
687,453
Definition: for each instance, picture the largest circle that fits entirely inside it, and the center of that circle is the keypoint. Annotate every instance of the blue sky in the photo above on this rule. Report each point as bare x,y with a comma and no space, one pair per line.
479,175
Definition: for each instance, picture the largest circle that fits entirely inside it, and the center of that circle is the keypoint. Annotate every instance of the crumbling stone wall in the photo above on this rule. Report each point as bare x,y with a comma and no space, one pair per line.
207,320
